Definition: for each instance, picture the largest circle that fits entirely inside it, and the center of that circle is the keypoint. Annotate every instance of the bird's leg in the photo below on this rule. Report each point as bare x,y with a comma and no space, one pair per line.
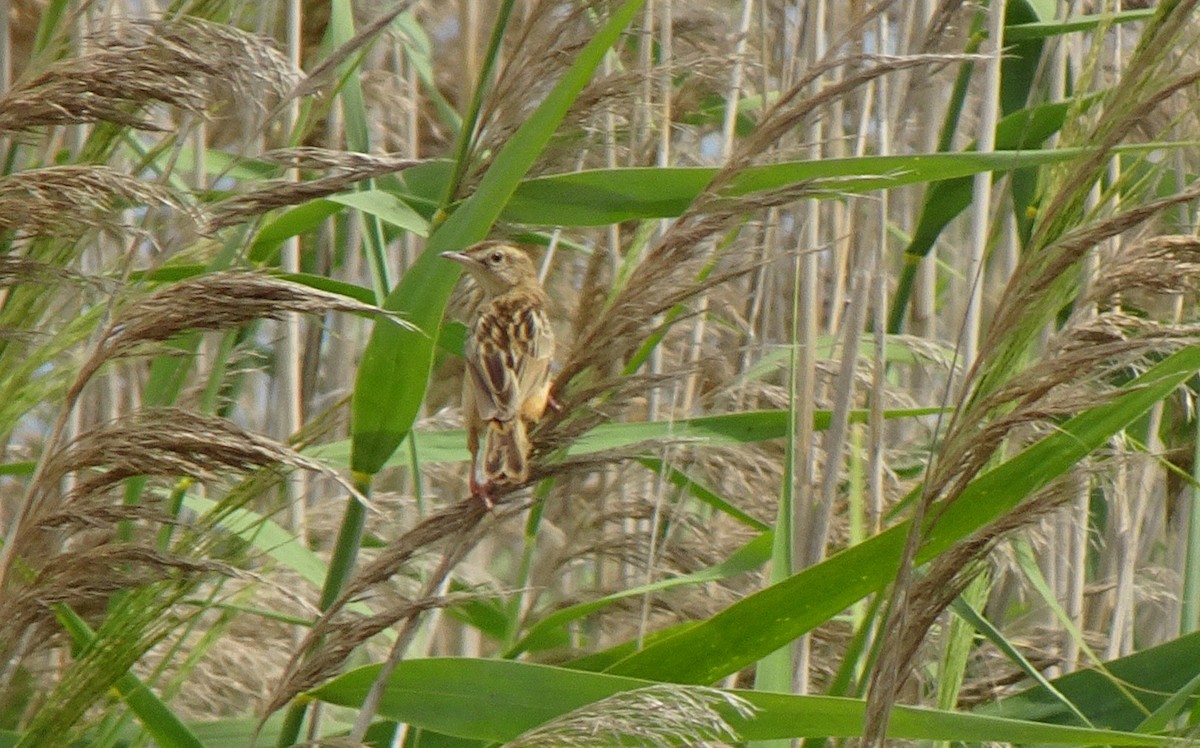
477,482
553,403
481,491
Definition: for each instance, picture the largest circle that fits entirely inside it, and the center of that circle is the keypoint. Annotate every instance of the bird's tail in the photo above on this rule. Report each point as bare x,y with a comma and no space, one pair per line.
506,452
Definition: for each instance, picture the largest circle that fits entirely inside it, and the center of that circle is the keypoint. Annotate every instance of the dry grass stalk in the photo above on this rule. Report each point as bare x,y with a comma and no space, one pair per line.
658,716
940,24
317,76
68,200
794,107
347,167
180,64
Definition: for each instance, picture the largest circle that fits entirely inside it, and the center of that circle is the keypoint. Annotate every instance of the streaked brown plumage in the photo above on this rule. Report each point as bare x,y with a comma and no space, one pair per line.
508,351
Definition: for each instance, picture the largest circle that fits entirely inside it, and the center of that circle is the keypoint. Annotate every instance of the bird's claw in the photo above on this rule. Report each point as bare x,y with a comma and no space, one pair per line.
483,492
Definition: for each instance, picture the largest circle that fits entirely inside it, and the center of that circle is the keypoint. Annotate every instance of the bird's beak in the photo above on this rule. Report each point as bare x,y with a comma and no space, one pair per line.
462,258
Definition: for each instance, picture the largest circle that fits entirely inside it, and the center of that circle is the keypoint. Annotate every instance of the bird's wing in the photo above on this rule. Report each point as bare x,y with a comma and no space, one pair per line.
491,369
534,347
508,358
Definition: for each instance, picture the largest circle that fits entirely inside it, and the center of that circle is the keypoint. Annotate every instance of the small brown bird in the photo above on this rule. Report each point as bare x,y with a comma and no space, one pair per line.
508,351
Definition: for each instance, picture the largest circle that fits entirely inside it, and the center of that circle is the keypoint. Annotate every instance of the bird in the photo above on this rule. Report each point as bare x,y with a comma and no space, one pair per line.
509,346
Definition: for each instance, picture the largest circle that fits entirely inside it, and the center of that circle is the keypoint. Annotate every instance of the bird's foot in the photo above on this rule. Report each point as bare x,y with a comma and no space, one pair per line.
483,492
553,403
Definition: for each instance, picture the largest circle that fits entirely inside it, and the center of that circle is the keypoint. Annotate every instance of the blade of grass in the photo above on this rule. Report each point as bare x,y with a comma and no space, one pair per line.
166,727
497,700
354,112
967,613
768,619
1087,22
728,428
747,558
1157,675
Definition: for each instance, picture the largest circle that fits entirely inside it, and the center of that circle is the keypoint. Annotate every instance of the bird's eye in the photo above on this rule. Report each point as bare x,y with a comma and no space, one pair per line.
496,258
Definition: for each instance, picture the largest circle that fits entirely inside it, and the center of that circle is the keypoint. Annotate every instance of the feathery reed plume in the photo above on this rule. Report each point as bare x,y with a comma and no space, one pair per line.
342,639
170,443
1031,290
339,635
538,51
84,578
215,301
1031,404
1052,388
164,443
167,442
950,573
129,625
143,441
984,423
659,716
138,63
15,269
452,555
346,167
681,265
1044,281
68,200
340,162
1160,264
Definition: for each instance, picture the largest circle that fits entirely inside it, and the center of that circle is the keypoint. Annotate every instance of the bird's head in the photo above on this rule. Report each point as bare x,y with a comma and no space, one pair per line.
498,268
